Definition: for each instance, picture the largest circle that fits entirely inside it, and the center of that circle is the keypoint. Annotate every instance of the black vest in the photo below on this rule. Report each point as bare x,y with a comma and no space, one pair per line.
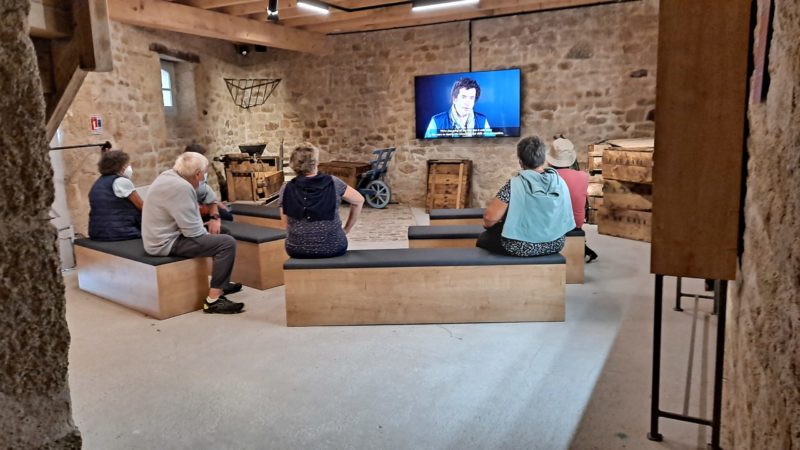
112,218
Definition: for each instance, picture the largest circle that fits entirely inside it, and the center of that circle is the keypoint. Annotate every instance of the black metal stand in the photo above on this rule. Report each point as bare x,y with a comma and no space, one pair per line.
720,299
680,294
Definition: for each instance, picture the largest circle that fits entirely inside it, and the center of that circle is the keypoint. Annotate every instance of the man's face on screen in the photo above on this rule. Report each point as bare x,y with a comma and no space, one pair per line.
464,101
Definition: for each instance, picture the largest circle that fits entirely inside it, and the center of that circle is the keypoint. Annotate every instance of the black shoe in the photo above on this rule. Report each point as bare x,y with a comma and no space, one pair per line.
590,255
222,306
231,288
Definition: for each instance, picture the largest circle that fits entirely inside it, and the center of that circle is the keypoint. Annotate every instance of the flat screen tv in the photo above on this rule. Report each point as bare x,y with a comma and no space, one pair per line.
468,104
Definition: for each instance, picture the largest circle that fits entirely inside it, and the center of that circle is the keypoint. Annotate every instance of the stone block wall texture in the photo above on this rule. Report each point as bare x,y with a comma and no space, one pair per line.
587,72
35,409
762,373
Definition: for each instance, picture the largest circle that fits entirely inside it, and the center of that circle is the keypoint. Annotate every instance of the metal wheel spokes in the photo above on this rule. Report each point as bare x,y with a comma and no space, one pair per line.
380,194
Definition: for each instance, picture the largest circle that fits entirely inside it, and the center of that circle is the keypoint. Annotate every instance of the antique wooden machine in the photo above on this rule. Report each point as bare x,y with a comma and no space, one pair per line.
252,176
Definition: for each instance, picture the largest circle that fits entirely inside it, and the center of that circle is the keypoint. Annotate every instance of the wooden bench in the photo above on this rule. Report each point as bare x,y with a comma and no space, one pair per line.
263,216
423,285
260,254
463,216
465,236
159,286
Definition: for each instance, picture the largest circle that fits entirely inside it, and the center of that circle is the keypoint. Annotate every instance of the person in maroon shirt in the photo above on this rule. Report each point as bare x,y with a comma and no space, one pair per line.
562,157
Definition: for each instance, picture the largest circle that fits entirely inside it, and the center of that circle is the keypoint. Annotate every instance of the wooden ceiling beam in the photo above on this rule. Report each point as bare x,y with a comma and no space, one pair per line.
402,16
199,22
212,4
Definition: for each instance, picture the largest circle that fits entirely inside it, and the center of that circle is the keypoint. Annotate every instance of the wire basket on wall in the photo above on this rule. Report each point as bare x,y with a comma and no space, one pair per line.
250,92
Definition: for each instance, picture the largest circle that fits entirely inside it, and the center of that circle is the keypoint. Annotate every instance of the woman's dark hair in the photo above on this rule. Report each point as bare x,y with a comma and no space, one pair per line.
531,152
465,83
304,159
112,162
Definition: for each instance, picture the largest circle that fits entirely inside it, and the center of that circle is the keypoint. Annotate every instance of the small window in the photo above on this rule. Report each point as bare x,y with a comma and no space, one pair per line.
168,84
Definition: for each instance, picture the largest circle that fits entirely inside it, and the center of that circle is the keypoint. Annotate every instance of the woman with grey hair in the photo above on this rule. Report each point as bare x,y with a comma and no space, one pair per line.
310,208
532,212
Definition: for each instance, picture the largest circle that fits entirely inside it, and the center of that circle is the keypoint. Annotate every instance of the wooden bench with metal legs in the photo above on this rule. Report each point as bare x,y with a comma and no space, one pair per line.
463,216
260,254
465,236
424,285
159,286
263,216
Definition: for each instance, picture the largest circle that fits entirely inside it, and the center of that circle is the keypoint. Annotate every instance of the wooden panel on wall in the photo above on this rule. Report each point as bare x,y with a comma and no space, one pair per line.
703,55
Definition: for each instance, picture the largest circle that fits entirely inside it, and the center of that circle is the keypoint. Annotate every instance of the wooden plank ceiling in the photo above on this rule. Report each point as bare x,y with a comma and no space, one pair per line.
303,30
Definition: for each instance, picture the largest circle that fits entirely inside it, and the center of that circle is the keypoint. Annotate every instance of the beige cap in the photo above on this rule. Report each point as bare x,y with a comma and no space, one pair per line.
562,153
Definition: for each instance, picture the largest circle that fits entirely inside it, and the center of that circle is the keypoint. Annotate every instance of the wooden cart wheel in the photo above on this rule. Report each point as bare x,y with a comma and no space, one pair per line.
380,194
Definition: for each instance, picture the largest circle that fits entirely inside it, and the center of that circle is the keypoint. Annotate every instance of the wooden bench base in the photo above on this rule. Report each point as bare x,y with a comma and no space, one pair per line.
444,222
259,221
439,294
259,266
160,292
441,243
573,252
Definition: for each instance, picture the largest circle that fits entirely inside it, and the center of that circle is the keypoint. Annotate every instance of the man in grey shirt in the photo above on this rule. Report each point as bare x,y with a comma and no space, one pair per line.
171,225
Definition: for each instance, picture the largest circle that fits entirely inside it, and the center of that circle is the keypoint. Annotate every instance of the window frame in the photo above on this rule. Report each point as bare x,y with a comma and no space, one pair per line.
168,67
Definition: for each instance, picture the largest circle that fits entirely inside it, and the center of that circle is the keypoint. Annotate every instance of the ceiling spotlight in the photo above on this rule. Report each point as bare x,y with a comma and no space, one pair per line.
272,11
317,7
427,5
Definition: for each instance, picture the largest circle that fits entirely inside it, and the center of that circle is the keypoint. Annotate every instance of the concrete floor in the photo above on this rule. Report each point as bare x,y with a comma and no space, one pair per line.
248,382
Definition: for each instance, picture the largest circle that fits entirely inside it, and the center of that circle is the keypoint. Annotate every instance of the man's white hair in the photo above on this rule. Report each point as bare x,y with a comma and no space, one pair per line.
190,163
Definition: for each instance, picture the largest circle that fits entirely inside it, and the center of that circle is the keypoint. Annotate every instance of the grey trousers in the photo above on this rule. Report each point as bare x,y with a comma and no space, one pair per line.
221,247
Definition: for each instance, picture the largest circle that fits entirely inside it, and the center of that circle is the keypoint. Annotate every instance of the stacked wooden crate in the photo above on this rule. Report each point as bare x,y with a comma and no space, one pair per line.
448,183
595,181
252,178
348,171
627,189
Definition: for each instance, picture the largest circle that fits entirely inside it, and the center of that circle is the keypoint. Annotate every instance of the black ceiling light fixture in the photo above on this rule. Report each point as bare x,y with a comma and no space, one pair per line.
272,10
242,49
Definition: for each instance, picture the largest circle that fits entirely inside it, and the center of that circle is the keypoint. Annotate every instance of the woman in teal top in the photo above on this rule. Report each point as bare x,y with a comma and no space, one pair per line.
532,212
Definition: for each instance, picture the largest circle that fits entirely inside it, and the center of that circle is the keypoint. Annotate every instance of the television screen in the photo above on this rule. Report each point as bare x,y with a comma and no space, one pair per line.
468,104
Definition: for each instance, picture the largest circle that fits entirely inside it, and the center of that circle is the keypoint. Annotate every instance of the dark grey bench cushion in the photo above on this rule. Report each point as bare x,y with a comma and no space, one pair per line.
132,249
267,212
445,232
459,232
463,213
253,233
576,232
418,257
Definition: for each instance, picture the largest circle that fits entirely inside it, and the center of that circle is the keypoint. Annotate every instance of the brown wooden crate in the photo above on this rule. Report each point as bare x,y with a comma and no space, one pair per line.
596,178
624,195
348,171
635,167
624,223
633,145
597,149
595,162
595,189
448,184
596,202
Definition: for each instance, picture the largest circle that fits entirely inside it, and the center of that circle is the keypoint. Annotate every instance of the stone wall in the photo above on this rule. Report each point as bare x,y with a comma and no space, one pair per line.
762,389
587,72
35,410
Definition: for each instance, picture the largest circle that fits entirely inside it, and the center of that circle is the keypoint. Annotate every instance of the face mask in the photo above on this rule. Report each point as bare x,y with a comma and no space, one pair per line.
128,172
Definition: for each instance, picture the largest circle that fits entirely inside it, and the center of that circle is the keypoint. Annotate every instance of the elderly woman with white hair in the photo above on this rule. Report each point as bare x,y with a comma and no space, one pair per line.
172,226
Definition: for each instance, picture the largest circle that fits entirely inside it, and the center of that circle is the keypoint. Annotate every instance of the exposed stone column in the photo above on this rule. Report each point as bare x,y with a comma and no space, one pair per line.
35,410
762,388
